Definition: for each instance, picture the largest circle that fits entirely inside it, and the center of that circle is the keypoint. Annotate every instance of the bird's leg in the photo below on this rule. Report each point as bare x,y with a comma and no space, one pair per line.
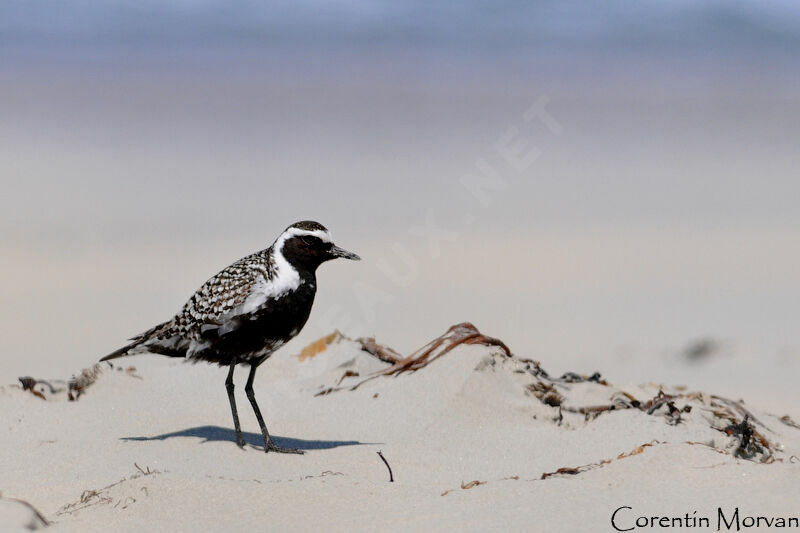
236,426
269,444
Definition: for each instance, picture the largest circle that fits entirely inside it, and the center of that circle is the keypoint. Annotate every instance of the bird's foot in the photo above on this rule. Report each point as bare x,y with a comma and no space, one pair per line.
272,447
240,441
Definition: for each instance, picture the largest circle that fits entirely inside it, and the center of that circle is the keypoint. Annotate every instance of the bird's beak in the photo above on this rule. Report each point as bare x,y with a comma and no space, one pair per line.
344,254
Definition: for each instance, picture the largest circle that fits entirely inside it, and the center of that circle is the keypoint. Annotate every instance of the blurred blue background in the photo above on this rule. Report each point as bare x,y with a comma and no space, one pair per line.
145,145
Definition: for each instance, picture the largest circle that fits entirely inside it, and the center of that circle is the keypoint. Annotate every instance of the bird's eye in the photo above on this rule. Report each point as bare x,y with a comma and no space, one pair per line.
308,240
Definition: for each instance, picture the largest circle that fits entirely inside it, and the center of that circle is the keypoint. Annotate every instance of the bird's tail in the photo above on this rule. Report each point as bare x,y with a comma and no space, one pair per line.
136,342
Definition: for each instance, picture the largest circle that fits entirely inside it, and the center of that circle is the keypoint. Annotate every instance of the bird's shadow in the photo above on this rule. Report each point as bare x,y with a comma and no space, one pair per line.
220,434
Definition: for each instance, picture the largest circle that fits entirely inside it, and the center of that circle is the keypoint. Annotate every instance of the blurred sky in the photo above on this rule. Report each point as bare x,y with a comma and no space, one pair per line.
145,145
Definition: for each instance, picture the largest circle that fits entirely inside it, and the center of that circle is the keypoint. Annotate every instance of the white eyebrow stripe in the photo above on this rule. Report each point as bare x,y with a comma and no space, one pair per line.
322,235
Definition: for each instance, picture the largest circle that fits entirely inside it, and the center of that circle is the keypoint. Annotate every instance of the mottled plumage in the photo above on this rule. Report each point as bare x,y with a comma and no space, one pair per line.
248,310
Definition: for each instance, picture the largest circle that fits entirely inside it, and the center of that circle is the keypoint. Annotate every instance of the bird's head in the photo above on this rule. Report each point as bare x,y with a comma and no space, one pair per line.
308,244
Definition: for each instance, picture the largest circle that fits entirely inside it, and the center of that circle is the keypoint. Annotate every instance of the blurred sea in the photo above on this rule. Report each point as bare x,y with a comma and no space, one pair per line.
145,145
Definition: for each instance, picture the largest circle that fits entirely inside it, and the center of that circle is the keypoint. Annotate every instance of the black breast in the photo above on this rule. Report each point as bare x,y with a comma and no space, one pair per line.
253,337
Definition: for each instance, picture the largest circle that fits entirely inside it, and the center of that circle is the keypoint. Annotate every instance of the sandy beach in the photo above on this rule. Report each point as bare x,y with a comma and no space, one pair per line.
477,438
576,308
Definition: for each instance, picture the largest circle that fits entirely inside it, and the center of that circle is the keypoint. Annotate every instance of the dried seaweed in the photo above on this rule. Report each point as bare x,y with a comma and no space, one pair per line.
464,333
29,384
470,485
94,497
554,393
533,367
85,378
572,377
750,442
477,483
347,374
673,408
572,471
738,407
639,449
71,389
564,470
546,392
318,346
384,353
786,419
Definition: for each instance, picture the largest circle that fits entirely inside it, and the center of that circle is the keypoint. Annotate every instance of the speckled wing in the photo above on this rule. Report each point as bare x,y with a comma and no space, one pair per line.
223,297
211,310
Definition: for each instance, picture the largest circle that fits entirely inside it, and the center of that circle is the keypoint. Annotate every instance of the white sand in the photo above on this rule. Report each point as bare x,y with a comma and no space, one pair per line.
468,416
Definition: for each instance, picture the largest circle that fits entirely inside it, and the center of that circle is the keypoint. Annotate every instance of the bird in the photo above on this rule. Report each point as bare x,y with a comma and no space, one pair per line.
246,312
